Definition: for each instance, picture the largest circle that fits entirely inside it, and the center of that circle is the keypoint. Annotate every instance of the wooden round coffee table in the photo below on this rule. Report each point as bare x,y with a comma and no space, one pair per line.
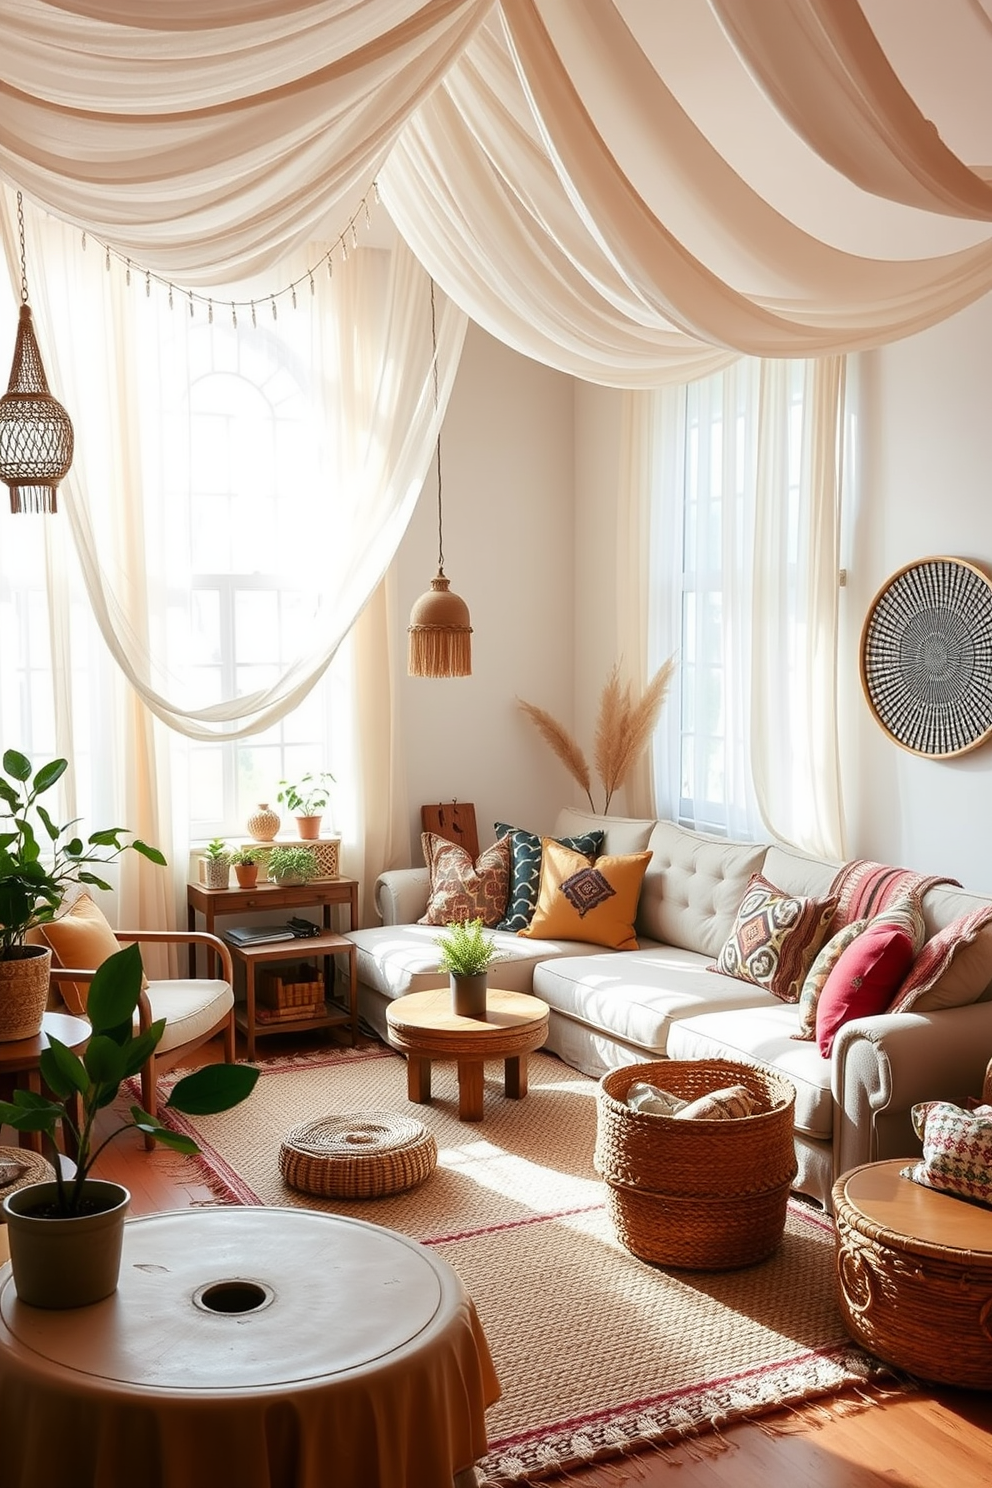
422,1026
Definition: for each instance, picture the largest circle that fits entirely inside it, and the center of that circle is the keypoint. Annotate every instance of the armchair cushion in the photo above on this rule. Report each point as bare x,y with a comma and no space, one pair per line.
83,939
192,1009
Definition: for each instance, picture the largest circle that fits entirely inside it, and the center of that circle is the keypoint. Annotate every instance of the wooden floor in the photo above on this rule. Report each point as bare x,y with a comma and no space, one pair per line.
939,1438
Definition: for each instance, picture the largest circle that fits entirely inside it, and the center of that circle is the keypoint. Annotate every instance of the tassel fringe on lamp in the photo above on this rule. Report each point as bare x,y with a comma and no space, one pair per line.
36,438
440,630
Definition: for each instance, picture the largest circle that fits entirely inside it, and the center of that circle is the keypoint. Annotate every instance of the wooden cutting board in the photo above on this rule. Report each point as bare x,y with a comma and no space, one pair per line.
455,822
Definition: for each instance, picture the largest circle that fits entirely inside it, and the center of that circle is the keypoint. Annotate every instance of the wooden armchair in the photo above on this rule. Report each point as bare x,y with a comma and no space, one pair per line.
195,1008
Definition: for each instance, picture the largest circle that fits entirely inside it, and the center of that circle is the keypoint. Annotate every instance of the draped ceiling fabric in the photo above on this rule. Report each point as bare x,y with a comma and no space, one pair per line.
630,190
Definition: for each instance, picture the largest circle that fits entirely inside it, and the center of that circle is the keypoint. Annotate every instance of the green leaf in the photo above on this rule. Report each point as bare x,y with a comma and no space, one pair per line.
151,853
62,1070
50,827
141,1048
113,995
36,1121
215,1087
176,1140
16,765
104,1060
74,847
108,837
47,775
90,878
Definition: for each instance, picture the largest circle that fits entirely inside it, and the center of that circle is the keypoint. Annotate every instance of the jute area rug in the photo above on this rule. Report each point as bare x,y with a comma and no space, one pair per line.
598,1353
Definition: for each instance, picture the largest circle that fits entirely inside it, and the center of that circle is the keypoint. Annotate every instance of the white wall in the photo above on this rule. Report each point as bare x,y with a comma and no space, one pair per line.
508,476
925,489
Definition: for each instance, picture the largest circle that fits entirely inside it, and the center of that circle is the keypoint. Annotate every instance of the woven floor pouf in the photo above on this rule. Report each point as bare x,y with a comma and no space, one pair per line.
357,1156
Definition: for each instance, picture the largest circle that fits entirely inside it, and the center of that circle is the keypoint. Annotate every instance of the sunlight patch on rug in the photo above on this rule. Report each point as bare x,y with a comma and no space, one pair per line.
598,1353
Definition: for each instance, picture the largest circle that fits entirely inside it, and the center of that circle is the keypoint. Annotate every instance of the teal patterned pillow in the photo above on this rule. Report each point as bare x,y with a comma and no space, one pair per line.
525,870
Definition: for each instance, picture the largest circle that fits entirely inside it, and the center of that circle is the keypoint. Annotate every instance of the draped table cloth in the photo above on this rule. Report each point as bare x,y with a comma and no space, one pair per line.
266,1347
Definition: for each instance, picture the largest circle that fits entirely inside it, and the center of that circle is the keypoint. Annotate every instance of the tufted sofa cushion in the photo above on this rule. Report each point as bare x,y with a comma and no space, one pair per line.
693,887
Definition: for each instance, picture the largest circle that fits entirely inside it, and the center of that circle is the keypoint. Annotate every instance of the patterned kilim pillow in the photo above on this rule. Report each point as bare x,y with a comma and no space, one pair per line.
775,938
905,913
461,889
957,1150
816,978
525,870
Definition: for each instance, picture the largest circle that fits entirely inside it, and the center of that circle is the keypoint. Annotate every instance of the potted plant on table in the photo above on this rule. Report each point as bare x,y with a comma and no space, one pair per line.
65,1234
307,800
216,860
39,860
466,955
291,864
244,861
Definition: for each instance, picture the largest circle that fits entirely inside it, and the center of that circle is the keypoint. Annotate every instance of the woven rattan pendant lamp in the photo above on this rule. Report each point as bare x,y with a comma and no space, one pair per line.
35,431
440,630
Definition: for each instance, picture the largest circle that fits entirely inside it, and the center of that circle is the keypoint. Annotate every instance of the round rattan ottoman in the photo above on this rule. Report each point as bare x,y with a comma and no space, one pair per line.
914,1274
700,1195
357,1156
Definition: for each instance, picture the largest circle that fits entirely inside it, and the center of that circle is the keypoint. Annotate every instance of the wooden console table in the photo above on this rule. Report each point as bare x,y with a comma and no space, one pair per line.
225,903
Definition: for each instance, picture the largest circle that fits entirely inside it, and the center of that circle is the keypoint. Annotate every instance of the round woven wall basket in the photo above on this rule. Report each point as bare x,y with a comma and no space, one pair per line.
704,1195
926,657
357,1157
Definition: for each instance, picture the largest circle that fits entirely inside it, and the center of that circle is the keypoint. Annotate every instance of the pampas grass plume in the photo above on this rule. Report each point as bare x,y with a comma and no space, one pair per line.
563,744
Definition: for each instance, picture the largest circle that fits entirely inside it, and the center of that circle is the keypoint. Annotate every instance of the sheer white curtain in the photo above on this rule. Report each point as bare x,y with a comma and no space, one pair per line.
366,341
743,538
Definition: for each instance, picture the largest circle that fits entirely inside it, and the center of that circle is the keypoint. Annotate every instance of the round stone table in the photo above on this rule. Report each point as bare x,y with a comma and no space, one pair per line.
267,1347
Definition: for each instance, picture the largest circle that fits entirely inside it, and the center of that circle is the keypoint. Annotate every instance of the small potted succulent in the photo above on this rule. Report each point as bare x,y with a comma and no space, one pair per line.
66,1234
307,800
216,864
466,955
291,864
244,861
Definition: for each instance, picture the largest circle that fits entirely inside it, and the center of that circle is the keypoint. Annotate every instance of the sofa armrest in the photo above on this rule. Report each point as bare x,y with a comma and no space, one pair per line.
401,895
882,1066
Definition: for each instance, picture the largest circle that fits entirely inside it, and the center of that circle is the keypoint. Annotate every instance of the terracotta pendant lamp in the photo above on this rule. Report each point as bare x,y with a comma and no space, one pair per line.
440,630
36,437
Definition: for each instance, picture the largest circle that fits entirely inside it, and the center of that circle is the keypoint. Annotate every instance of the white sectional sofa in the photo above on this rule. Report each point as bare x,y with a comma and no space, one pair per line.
610,1008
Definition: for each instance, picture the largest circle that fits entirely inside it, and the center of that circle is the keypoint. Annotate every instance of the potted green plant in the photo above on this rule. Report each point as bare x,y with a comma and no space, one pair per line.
307,800
244,861
215,864
39,860
65,1234
466,955
291,864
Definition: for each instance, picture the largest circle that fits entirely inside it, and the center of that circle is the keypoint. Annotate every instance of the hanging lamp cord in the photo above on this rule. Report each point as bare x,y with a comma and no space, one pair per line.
24,264
440,540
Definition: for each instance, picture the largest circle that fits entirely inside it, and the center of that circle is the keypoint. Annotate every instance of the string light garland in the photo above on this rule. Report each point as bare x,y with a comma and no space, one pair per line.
211,303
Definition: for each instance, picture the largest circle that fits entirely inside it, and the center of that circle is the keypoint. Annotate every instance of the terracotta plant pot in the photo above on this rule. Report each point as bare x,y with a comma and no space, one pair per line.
66,1261
309,827
246,874
468,995
24,984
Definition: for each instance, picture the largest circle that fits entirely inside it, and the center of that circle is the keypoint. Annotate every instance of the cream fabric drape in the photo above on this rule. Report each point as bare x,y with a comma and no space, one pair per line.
795,749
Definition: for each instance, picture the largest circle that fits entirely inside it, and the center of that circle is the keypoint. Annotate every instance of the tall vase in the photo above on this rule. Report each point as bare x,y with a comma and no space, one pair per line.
468,995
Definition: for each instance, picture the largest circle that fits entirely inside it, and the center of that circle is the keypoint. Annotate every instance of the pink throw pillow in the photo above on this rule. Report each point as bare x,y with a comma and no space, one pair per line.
864,980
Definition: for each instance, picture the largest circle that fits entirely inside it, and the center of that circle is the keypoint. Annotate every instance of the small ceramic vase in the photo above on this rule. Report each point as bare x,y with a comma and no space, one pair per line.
263,824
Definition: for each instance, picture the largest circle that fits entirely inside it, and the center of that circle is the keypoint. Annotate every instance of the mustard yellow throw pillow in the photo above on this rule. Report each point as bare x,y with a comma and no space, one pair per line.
82,939
589,899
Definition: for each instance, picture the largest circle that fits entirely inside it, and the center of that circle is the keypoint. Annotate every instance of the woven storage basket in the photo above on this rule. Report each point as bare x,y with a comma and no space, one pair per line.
924,1307
35,1169
706,1195
357,1157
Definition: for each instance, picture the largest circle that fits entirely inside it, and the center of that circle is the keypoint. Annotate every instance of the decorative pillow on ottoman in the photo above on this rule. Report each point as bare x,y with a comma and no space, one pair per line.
775,938
461,889
525,869
864,980
957,1150
582,899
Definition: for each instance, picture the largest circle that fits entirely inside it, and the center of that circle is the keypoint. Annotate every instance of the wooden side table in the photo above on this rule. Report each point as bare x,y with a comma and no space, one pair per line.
914,1274
214,904
20,1061
422,1026
263,952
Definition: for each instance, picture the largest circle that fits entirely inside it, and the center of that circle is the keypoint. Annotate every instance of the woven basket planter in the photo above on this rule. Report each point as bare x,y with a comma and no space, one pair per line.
25,981
357,1157
704,1195
924,1307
